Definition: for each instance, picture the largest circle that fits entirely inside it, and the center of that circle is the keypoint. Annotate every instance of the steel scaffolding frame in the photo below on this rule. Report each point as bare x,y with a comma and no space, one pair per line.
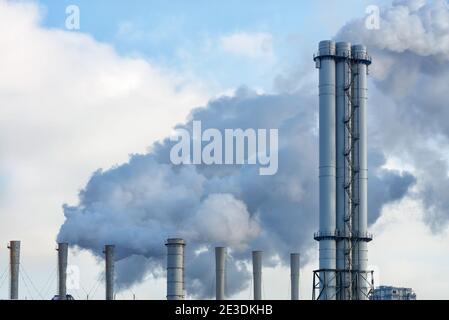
319,278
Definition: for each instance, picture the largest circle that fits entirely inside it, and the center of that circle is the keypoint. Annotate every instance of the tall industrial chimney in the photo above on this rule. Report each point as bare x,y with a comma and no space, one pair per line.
344,173
325,61
361,237
343,236
175,269
63,249
14,252
294,268
109,260
220,272
257,274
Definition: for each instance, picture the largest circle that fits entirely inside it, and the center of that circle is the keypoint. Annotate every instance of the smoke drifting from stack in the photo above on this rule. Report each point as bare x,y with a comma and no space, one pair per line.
409,122
137,204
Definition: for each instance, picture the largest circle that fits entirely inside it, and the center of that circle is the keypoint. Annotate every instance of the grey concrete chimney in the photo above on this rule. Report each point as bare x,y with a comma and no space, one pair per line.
294,267
220,272
14,253
63,249
109,259
257,274
175,269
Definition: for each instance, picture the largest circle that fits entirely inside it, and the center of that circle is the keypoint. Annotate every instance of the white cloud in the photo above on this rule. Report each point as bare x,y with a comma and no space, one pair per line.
69,105
408,253
249,45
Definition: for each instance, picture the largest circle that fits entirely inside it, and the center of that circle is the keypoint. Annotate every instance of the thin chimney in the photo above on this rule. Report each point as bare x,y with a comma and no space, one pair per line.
175,269
220,272
294,266
109,260
14,251
257,274
63,249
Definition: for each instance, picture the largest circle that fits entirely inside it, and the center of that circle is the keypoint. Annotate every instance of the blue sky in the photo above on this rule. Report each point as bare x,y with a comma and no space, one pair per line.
186,35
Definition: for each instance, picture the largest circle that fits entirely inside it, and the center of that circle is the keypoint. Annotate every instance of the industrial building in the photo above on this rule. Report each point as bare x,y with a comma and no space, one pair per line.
393,293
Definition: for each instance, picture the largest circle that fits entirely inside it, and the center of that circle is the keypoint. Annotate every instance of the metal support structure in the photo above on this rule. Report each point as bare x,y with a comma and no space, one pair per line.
175,269
294,275
63,249
109,273
364,279
344,170
14,254
343,235
257,274
220,272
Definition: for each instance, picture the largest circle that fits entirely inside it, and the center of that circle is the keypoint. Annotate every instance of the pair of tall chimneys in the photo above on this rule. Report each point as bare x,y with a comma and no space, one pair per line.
62,271
175,272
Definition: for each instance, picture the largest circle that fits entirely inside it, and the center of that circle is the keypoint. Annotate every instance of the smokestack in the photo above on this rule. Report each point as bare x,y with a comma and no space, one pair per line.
63,249
14,252
325,61
343,233
344,170
220,272
294,267
257,274
175,269
109,260
361,60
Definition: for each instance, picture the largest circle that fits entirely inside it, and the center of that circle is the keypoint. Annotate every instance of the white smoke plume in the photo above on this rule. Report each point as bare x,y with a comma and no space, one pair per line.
139,204
409,112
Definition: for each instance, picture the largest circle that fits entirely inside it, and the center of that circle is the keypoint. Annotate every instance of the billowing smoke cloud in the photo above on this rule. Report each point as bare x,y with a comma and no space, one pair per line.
385,186
141,203
410,110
